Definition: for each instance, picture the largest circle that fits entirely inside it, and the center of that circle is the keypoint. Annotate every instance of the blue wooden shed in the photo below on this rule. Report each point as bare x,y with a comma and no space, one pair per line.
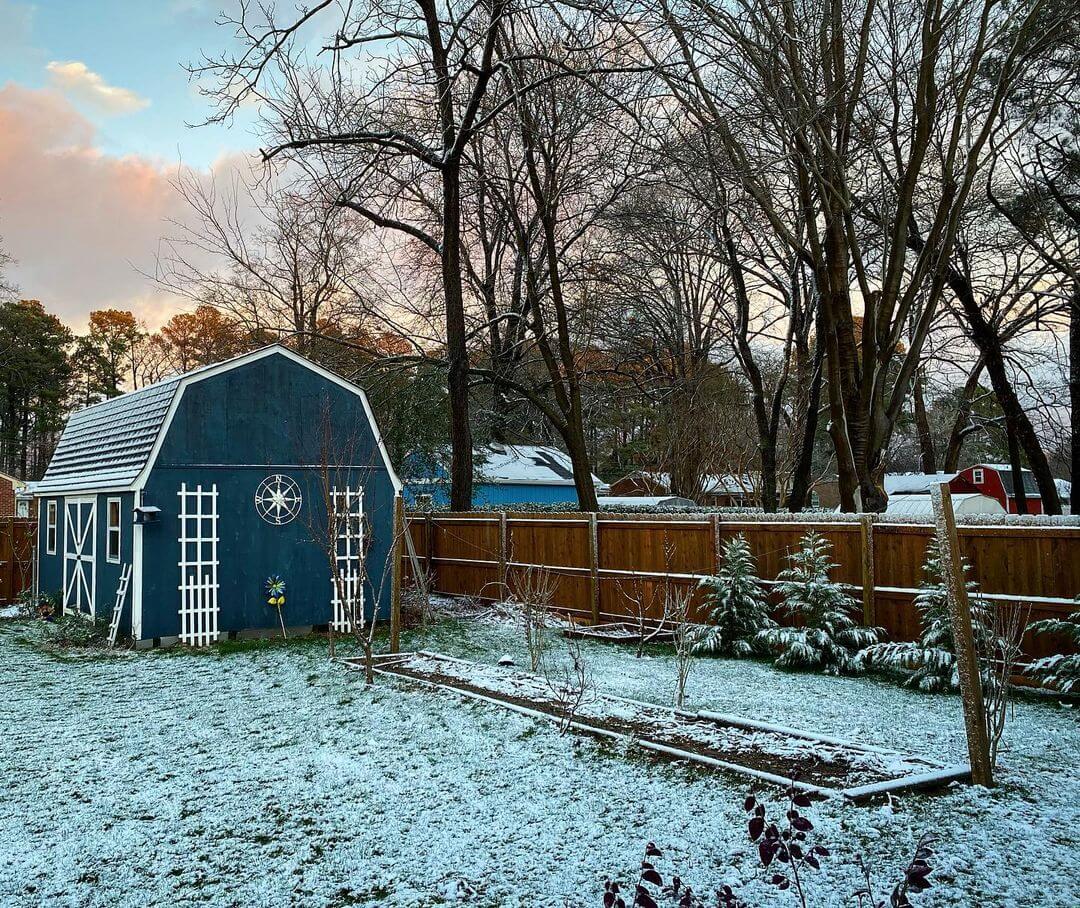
202,486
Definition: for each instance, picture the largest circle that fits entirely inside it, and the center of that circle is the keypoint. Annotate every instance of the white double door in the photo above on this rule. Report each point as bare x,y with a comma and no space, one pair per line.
80,570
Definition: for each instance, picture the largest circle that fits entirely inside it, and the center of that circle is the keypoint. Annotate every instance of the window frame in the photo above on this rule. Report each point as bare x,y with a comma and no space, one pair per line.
51,512
978,476
110,529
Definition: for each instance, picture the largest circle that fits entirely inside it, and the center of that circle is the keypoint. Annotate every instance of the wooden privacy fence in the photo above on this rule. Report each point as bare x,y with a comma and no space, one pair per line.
16,557
606,563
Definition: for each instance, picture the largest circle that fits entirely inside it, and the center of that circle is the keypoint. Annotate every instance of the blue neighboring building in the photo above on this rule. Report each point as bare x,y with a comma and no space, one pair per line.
505,475
202,486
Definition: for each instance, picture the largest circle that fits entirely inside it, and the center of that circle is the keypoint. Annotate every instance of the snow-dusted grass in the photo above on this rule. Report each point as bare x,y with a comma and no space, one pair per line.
264,775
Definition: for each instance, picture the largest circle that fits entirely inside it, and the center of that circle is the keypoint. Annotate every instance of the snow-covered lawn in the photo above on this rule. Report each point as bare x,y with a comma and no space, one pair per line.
268,776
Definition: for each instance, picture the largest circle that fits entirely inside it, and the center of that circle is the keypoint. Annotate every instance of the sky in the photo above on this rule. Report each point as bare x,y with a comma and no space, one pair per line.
97,113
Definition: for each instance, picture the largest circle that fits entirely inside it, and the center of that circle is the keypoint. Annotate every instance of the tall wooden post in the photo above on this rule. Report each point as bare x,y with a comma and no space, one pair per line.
429,548
594,569
503,580
714,519
866,545
395,589
967,660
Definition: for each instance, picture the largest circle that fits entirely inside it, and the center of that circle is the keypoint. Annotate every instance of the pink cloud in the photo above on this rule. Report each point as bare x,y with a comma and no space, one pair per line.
81,224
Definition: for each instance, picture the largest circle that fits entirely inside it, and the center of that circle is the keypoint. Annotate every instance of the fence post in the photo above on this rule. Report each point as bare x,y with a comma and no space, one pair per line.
866,539
714,519
594,568
429,544
503,580
395,590
967,661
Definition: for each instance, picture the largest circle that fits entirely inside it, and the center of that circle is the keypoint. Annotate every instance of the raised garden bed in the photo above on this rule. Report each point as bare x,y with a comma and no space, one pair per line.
618,632
821,765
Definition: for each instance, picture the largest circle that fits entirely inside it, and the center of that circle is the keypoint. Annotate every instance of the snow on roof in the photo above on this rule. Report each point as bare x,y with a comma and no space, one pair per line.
1004,471
713,484
914,483
643,501
107,445
963,503
525,465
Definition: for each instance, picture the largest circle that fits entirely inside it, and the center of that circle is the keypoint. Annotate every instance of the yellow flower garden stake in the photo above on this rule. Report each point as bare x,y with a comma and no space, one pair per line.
275,589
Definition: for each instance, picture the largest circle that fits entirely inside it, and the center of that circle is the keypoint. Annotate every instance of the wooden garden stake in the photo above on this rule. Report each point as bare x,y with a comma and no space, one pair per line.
866,539
395,589
967,660
594,569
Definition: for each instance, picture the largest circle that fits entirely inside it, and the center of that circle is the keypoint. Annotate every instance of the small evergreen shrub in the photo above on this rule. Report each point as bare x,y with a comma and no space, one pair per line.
737,603
829,640
1061,672
931,659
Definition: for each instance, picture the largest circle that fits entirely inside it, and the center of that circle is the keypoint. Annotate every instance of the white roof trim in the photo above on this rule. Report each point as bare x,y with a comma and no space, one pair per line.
242,360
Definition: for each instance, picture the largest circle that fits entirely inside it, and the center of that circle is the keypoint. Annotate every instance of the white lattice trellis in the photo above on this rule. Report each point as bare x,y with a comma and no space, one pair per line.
348,518
198,565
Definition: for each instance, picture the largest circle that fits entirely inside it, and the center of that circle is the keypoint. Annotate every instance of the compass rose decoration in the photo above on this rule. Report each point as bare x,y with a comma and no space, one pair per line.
278,499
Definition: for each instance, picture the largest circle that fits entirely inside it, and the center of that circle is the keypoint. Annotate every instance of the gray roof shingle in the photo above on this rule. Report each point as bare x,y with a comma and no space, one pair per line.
107,445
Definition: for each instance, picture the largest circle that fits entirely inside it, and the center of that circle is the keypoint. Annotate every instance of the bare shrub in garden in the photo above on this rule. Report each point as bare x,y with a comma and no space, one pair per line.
570,684
829,640
532,589
737,603
999,652
686,636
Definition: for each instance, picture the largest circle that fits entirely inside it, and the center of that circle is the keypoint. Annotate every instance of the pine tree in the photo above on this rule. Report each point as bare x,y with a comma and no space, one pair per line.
829,639
1061,672
737,603
932,658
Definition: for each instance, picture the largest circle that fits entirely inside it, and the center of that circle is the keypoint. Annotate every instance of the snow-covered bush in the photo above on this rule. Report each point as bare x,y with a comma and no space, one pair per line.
829,640
932,658
1061,672
737,604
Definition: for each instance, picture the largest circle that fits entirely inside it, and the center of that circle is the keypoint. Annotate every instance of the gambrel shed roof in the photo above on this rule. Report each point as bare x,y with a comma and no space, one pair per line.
107,445
110,444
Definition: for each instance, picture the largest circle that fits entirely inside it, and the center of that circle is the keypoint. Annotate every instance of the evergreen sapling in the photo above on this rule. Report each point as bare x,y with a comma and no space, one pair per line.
829,639
1060,671
737,604
932,658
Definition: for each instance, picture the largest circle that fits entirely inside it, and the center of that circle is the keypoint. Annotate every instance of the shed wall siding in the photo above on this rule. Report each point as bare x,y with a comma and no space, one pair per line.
233,430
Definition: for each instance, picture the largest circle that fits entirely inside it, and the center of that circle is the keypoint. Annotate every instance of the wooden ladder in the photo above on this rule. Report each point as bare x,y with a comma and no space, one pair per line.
118,608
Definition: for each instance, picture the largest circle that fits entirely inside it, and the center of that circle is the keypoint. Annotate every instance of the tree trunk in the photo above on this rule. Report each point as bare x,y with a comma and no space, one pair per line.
579,459
1017,468
804,464
457,380
1017,424
960,429
1074,384
927,455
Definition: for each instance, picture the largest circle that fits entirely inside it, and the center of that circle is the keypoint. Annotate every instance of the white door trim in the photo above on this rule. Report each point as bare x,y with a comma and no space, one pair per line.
80,549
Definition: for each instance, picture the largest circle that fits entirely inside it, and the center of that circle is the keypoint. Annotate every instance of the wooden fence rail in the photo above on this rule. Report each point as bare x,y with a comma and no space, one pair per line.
16,556
605,563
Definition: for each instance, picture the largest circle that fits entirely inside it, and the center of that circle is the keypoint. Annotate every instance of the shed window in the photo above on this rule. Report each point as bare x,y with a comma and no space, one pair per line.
112,539
50,528
978,477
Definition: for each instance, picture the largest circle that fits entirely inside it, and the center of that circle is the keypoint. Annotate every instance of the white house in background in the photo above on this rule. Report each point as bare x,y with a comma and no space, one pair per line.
914,483
726,490
614,502
920,504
